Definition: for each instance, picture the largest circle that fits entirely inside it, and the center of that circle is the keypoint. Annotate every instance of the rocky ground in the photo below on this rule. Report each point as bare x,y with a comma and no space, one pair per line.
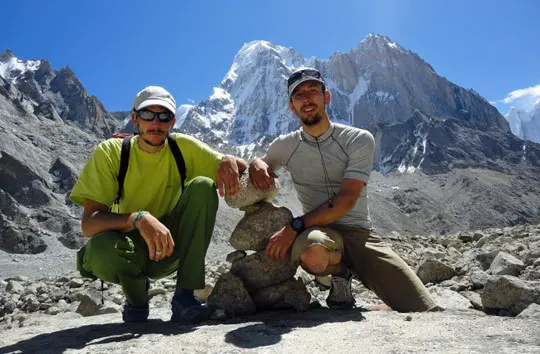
488,281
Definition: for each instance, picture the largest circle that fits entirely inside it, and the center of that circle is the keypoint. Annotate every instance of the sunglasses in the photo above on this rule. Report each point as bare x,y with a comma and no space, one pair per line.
149,116
298,75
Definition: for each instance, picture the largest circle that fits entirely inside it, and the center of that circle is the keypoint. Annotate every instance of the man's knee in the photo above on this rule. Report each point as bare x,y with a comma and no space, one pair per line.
110,254
314,259
202,183
203,187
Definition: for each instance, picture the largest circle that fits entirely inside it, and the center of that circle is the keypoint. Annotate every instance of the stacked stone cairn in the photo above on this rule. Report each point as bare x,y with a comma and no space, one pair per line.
254,281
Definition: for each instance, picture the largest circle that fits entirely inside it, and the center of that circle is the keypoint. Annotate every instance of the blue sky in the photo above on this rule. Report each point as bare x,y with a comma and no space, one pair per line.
118,47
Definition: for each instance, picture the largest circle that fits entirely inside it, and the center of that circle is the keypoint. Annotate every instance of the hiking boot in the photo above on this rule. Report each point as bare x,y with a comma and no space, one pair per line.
132,314
340,295
188,309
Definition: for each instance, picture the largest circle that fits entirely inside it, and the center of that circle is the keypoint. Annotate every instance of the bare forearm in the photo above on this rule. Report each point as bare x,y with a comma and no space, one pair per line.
324,214
100,221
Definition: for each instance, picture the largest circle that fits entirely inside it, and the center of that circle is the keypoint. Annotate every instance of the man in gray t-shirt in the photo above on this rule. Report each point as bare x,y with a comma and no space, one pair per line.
330,165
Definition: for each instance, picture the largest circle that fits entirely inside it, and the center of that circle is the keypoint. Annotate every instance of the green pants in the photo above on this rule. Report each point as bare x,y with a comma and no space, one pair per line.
122,258
381,270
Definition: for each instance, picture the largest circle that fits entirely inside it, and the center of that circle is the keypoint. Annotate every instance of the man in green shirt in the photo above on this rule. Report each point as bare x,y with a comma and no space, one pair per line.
157,227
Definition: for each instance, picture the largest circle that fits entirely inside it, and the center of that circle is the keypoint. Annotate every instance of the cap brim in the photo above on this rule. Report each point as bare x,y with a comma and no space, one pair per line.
301,81
157,102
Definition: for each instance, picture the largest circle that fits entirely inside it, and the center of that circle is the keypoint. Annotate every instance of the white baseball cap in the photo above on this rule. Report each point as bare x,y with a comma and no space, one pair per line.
154,95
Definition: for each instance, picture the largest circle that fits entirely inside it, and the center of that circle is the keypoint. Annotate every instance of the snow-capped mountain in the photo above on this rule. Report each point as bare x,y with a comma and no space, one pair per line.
422,124
56,95
378,82
525,124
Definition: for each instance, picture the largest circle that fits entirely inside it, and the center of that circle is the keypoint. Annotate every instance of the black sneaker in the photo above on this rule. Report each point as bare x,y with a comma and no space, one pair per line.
188,309
131,314
340,296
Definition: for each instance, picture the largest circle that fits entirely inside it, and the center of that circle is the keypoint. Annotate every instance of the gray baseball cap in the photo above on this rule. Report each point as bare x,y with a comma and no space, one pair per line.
154,95
303,75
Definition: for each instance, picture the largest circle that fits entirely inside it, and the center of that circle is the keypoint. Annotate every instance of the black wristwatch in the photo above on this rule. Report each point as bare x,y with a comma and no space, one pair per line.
298,224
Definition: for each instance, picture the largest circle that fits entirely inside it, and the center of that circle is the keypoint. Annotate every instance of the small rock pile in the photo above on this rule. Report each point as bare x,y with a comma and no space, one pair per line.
254,281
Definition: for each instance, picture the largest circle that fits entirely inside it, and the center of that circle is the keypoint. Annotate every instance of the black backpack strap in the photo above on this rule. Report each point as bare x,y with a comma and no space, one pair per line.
180,164
124,161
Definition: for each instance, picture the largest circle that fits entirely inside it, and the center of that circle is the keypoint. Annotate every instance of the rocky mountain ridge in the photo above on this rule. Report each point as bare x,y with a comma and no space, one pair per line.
378,82
49,125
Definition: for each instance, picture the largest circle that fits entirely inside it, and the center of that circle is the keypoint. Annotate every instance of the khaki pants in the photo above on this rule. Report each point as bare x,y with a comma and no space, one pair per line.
381,270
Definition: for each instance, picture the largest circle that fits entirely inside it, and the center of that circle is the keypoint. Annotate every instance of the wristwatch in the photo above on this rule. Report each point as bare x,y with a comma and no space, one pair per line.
298,224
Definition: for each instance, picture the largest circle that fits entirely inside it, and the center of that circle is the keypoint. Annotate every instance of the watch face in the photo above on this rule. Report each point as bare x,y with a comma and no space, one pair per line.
297,224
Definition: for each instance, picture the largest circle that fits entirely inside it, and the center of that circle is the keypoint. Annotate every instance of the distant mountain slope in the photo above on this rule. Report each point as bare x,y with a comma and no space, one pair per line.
447,158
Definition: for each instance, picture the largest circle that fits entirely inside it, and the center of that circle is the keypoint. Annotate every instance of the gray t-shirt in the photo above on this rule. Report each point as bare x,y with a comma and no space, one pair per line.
345,152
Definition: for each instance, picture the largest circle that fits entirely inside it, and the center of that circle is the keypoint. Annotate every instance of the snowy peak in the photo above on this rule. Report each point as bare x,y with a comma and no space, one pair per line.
377,82
13,68
525,124
379,43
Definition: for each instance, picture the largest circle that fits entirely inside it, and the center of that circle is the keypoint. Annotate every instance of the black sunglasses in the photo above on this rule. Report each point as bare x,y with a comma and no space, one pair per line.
149,116
298,74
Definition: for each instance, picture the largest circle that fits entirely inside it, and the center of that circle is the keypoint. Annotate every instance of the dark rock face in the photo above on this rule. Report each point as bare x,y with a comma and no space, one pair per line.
64,175
21,182
15,239
438,145
42,150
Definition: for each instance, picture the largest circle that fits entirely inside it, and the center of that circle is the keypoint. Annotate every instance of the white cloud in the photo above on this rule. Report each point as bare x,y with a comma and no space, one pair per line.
190,100
524,98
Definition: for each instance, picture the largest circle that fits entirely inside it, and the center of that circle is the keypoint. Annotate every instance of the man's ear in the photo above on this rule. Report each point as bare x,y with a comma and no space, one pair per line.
173,122
327,97
134,118
291,107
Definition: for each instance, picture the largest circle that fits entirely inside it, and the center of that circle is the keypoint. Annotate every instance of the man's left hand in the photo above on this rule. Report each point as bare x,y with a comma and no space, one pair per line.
228,175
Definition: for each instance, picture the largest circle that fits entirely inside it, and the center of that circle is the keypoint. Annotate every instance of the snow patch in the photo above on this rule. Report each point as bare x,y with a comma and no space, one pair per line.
181,114
14,68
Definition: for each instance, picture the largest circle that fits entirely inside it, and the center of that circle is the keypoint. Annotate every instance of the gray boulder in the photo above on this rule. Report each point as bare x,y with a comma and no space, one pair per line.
506,264
257,271
256,228
433,271
230,295
247,195
290,293
508,295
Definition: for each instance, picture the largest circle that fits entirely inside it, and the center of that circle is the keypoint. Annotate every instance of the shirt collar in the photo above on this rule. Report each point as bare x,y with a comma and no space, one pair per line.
323,137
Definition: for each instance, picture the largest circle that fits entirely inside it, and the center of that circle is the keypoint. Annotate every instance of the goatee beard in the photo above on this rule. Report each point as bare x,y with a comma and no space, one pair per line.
313,121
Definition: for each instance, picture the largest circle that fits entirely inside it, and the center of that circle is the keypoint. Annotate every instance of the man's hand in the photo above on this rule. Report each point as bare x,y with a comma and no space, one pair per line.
261,175
280,242
228,175
157,237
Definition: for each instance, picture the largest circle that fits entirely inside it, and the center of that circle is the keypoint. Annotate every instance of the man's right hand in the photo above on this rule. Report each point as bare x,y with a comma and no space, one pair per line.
157,237
280,242
261,175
